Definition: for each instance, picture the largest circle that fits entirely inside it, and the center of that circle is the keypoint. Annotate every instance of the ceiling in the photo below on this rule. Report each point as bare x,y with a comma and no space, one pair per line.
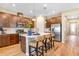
35,9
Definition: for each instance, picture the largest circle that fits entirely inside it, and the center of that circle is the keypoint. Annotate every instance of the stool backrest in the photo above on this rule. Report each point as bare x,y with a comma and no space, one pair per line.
40,38
47,36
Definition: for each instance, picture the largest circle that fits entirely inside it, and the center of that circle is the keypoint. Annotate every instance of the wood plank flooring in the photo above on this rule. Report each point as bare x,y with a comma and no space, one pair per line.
15,50
12,50
69,48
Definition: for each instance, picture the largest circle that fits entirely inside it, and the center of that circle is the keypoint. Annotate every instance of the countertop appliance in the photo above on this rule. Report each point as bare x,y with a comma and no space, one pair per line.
1,30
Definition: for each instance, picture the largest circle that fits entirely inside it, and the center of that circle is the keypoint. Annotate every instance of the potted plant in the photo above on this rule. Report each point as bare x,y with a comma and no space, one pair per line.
29,26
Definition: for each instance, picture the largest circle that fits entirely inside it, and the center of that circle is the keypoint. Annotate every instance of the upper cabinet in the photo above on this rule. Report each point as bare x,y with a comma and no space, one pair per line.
10,21
4,19
13,20
53,20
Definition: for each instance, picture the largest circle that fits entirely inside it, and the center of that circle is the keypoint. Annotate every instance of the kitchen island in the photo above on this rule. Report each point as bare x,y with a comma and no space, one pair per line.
25,41
8,39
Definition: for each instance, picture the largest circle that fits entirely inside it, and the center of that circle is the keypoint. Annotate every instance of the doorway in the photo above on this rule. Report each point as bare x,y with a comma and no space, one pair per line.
72,37
73,28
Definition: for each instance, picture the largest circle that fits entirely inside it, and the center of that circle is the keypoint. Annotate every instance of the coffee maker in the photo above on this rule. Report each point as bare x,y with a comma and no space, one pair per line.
1,30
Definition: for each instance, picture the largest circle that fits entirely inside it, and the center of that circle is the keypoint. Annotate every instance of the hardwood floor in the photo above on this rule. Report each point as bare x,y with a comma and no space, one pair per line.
13,50
69,48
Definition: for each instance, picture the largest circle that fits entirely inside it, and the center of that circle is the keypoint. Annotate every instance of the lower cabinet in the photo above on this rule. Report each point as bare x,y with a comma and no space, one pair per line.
14,38
8,39
23,44
5,40
0,40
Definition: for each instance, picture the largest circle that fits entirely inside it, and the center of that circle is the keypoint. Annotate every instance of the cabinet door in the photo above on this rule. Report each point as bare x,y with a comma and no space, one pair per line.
13,21
5,40
48,24
4,20
14,38
0,40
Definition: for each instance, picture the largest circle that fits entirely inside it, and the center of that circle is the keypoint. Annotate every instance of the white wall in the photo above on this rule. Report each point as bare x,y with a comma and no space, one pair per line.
40,24
64,21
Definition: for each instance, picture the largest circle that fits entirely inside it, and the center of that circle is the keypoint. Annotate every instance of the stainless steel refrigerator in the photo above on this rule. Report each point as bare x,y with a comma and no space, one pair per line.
56,29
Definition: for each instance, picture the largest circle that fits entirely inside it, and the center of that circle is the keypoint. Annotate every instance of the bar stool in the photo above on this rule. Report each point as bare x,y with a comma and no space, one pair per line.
36,46
53,39
48,42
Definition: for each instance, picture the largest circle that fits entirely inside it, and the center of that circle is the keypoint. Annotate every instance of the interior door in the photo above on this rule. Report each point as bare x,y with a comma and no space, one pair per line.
73,28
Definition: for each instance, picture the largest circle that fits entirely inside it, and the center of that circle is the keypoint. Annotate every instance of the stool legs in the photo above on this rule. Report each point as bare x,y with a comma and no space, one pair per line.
29,51
46,45
42,50
51,42
36,49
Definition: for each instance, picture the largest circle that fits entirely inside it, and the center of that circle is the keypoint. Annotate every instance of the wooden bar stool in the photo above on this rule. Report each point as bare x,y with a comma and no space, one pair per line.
53,39
48,42
36,46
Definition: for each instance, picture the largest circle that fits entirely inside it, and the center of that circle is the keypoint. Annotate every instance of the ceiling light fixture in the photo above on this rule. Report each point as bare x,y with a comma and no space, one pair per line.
53,12
13,5
31,11
45,6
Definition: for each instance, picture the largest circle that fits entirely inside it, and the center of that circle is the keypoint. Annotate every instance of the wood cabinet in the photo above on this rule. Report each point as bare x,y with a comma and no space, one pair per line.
14,38
9,20
23,44
5,40
48,24
8,39
0,40
53,20
4,19
13,20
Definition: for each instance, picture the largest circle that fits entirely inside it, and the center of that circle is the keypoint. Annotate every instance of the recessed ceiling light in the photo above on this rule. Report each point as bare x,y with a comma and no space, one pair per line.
13,5
31,11
53,11
45,5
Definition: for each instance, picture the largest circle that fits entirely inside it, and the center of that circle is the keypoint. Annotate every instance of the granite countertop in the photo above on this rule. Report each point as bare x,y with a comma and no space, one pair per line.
8,33
35,35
